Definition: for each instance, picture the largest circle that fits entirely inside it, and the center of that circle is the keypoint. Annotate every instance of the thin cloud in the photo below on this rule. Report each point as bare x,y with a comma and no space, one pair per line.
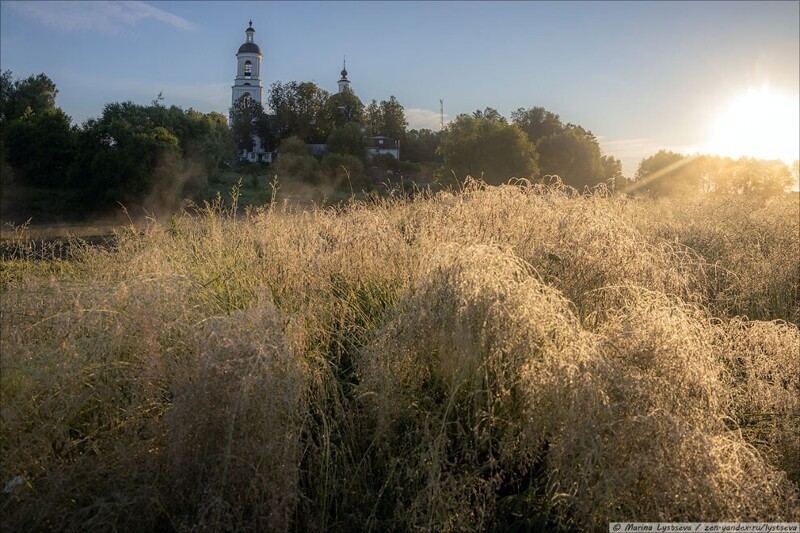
104,17
424,118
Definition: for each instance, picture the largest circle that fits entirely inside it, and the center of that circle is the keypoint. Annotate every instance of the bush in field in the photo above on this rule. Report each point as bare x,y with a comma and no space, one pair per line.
748,247
486,371
515,357
349,139
344,172
761,361
297,167
233,432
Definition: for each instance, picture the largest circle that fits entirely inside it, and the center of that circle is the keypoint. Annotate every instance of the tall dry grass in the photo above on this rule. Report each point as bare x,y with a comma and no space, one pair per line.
488,359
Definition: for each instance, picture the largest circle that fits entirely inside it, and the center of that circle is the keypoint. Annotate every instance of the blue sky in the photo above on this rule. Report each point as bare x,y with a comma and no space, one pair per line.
640,75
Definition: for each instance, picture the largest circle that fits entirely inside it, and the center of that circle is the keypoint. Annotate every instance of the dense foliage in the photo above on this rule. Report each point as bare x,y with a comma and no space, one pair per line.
667,173
132,153
156,157
488,147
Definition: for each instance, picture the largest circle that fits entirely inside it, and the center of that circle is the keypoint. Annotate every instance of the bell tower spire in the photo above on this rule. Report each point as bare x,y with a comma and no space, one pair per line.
344,83
248,69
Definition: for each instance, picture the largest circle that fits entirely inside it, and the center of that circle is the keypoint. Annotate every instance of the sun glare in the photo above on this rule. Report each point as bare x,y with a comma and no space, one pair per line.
759,123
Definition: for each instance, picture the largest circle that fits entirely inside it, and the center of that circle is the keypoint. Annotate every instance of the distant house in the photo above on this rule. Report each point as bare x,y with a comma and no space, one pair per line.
384,145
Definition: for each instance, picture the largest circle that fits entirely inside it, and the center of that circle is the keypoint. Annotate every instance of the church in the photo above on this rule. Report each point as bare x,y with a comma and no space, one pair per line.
248,82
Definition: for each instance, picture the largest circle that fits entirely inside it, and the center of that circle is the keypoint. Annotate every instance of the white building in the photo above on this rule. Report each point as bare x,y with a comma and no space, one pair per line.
344,83
384,145
248,83
248,70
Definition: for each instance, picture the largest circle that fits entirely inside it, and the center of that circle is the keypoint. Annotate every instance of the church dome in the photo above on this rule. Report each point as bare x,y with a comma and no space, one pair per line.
249,48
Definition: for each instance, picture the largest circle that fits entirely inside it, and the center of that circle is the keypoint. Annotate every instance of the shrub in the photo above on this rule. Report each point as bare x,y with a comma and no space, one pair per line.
297,167
344,172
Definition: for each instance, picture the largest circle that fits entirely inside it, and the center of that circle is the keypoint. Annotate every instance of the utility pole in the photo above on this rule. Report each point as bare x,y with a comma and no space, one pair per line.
441,113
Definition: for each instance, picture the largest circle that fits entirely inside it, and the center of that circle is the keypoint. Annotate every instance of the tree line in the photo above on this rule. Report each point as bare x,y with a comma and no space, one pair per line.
134,152
131,152
668,173
485,144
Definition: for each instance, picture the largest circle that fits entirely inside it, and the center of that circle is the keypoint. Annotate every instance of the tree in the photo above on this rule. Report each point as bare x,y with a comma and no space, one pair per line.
387,119
372,118
37,93
36,138
342,108
350,139
298,109
749,176
245,116
132,152
566,150
486,148
421,145
6,92
41,147
667,172
130,147
489,114
573,154
217,142
612,172
293,145
394,119
537,122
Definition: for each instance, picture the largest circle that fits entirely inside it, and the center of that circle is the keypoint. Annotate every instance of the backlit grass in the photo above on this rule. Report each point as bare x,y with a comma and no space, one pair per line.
499,358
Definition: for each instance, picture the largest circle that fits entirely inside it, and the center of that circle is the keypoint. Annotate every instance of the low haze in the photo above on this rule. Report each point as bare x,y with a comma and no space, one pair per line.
640,75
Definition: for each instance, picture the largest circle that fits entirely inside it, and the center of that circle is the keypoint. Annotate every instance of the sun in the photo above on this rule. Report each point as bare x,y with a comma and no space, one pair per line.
761,124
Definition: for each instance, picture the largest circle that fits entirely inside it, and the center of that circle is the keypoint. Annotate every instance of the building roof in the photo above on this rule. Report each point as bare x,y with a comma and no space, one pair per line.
249,48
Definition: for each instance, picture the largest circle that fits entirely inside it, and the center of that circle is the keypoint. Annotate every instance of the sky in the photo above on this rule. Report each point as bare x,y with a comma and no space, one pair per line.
642,76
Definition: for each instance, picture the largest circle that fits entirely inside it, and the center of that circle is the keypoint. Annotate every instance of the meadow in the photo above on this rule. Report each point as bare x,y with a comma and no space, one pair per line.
512,358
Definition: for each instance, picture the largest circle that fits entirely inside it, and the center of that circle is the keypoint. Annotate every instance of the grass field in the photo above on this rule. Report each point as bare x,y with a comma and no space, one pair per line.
514,358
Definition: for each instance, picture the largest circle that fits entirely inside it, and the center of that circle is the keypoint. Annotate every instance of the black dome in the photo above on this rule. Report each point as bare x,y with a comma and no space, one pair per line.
249,48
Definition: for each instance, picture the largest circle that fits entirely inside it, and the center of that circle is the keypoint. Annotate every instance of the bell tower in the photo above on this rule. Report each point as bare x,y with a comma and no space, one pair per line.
344,83
248,69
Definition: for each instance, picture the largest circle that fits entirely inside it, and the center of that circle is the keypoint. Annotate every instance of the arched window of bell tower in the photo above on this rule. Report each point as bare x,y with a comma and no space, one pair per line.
248,69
